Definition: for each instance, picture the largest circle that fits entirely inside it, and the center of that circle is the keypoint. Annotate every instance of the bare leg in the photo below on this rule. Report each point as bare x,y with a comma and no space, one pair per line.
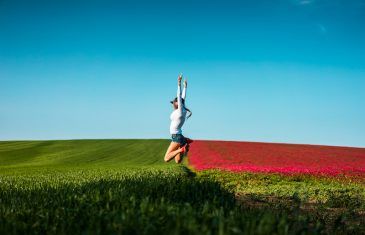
178,157
172,154
172,151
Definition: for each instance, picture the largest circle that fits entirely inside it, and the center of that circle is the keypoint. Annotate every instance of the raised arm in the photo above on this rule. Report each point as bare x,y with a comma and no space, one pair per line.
179,102
184,90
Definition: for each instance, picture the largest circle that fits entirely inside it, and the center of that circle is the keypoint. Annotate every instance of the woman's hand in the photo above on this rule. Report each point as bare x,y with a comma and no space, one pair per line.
179,79
185,83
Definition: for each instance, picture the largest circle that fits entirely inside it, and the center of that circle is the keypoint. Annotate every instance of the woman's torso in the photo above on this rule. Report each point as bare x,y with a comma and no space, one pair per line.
177,121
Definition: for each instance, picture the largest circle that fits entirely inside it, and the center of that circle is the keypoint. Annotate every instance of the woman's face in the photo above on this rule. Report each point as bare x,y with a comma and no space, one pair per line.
175,105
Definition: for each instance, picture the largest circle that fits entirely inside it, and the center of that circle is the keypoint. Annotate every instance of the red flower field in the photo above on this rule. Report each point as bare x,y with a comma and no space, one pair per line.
281,158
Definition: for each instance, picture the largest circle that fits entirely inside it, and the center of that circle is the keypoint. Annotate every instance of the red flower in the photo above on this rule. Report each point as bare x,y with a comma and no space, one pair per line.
281,158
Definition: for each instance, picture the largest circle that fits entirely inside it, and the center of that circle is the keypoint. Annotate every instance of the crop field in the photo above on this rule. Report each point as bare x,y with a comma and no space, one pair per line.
280,158
125,187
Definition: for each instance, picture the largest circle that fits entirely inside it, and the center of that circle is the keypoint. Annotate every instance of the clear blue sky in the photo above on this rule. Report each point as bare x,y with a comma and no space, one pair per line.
274,71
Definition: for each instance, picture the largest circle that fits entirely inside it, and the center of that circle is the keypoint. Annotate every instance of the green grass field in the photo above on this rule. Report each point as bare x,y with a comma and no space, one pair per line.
124,187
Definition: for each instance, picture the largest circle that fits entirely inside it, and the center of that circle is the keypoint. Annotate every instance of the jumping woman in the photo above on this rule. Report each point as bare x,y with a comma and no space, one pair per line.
179,145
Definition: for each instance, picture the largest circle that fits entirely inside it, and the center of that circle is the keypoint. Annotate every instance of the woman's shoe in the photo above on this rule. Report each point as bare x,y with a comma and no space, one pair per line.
184,149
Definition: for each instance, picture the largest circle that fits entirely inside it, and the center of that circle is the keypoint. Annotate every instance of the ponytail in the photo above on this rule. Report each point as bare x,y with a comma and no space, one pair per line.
190,113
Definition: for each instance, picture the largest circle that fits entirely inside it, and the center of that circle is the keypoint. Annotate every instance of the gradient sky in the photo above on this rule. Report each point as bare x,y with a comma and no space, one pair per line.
272,71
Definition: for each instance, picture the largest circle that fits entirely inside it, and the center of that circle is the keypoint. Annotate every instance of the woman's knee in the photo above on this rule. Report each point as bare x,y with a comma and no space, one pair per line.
166,158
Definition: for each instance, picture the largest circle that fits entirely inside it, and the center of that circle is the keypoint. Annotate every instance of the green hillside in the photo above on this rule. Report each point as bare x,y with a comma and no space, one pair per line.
126,153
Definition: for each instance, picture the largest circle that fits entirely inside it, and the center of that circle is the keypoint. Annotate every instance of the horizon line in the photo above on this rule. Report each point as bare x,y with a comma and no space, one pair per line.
210,140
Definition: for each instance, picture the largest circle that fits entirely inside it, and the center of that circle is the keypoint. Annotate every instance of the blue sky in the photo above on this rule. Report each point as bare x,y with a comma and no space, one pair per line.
271,71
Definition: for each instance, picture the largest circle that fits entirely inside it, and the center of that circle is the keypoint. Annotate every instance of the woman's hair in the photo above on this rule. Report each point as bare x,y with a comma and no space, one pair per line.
190,113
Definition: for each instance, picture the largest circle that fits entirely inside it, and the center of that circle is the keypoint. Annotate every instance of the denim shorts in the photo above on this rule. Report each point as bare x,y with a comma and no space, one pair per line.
178,138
